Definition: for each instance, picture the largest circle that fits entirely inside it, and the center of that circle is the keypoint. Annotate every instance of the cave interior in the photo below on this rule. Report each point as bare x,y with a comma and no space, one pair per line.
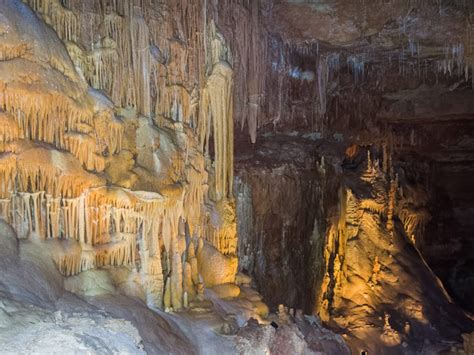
237,176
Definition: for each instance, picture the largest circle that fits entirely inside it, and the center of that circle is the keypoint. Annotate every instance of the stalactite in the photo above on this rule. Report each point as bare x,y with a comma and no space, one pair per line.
216,112
9,130
83,147
141,62
414,222
118,252
7,174
196,190
323,79
103,63
109,131
53,215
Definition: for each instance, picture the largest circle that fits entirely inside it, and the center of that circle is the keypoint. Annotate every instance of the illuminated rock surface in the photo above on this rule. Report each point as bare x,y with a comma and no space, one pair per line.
236,176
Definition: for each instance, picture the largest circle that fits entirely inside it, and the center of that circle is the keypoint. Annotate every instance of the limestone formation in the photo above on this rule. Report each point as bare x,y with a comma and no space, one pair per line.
235,175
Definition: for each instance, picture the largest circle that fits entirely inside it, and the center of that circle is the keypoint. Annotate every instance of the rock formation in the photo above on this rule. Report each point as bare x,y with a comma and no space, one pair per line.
232,165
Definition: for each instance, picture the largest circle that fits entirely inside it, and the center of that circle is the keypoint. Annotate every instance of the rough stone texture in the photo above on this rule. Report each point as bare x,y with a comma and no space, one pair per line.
281,192
374,286
215,268
360,168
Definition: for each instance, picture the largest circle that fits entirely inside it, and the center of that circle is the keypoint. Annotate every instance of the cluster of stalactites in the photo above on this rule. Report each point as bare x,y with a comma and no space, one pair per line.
156,77
224,238
45,117
57,120
98,217
118,61
154,72
97,66
63,20
118,49
42,169
251,51
113,227
298,93
46,194
454,62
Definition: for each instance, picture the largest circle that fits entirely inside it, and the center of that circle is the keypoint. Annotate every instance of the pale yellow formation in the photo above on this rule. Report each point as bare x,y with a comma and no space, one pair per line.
61,19
371,260
215,268
9,130
216,120
104,141
224,237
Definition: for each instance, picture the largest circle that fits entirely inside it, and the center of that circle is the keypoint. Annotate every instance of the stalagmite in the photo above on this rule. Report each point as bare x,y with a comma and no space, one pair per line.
391,203
176,278
167,295
188,285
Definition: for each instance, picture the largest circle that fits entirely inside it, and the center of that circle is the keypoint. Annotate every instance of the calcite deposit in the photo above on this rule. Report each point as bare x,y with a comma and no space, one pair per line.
236,176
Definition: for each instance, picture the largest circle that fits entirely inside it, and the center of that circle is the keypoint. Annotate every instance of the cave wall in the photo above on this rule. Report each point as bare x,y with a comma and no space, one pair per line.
276,240
450,230
285,190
